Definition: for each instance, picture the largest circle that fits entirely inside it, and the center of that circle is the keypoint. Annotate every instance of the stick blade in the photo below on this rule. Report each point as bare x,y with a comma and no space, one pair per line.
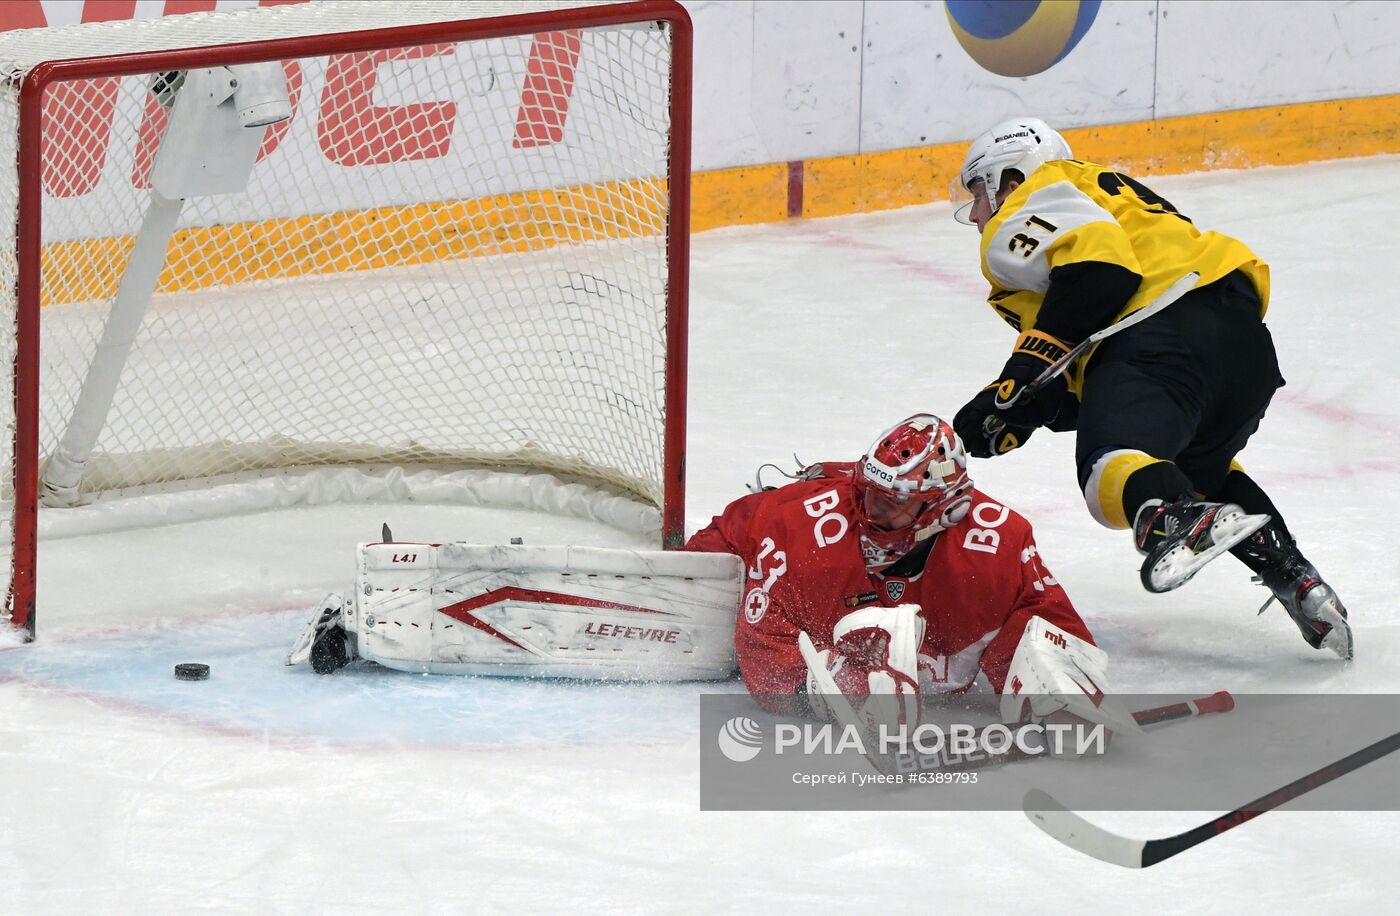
1078,834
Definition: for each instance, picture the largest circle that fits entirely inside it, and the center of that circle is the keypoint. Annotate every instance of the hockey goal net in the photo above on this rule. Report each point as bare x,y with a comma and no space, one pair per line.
463,244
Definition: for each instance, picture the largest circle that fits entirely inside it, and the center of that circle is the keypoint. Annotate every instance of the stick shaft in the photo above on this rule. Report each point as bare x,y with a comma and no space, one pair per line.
1172,293
1156,850
1215,703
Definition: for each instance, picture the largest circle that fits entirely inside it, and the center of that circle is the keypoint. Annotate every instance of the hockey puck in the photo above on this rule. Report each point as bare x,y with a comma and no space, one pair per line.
191,671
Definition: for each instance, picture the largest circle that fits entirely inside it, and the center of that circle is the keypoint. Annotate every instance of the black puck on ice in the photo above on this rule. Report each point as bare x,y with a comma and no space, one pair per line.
191,671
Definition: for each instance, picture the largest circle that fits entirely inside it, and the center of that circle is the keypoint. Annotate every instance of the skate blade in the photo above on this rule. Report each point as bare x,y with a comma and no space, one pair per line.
1339,639
328,609
1176,567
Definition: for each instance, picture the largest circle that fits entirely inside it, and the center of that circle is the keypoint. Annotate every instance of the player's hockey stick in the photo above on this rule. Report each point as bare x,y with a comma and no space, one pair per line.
1077,833
1169,295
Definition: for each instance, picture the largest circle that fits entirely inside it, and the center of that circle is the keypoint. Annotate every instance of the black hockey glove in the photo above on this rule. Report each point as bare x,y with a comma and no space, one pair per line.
983,432
990,424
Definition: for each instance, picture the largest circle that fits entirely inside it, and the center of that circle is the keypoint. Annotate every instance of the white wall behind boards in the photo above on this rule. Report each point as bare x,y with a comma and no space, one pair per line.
919,86
774,78
1216,56
775,75
778,80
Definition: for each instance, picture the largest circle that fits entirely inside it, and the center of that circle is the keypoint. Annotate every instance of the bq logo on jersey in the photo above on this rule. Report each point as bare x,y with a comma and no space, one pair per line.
1020,39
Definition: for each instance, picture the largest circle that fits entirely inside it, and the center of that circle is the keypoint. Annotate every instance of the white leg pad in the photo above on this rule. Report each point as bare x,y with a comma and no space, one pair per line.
582,612
396,627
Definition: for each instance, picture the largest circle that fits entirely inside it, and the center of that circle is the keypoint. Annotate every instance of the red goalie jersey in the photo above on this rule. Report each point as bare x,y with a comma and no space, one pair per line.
980,583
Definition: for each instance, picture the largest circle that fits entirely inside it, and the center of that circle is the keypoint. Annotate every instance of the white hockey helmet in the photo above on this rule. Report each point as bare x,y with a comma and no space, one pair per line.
1023,144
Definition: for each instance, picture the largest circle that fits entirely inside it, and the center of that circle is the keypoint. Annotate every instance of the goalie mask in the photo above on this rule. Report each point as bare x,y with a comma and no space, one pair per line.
910,484
1023,144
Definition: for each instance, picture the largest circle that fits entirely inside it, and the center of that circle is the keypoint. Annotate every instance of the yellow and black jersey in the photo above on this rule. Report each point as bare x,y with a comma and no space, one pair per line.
1078,246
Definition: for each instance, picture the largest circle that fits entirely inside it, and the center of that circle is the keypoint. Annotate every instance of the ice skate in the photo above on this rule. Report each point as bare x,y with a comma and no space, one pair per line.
1180,538
323,641
1310,601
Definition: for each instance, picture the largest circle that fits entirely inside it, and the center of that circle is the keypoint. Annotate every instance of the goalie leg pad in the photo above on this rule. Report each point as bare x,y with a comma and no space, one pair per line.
595,613
396,628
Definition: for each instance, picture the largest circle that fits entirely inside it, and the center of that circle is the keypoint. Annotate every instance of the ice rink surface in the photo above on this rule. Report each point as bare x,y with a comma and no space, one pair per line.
268,789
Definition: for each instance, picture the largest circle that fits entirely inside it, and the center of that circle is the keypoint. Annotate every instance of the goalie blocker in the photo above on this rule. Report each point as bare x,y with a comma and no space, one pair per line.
573,612
1054,674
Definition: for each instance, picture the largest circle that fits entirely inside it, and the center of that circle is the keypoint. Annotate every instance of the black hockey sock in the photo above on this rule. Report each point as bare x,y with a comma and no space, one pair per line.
1266,546
1160,480
1239,488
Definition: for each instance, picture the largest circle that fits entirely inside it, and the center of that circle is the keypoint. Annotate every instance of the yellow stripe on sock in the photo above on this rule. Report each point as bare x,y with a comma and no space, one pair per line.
1104,490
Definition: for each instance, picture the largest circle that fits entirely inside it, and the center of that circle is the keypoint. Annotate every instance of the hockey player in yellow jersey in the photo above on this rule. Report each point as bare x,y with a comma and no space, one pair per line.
1162,407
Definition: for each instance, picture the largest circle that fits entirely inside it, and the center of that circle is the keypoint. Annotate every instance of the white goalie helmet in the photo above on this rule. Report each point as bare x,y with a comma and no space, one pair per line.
911,484
1023,144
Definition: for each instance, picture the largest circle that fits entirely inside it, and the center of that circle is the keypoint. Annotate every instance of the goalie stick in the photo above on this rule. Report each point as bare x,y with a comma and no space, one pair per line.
1219,702
1169,295
1078,834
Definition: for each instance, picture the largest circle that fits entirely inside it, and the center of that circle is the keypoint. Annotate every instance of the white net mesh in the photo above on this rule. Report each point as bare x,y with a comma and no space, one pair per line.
453,253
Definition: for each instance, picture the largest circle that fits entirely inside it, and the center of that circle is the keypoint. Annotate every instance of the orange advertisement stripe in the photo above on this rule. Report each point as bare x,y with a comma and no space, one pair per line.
737,197
1279,135
333,243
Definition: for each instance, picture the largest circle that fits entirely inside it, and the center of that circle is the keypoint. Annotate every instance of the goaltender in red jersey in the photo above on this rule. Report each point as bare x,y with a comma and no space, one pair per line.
860,588
892,577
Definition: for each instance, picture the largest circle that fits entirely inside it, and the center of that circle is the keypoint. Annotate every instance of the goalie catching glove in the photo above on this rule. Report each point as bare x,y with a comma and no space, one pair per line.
869,677
1055,676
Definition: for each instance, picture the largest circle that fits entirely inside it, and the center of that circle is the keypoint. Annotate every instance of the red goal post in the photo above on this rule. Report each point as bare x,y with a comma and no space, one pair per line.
522,308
